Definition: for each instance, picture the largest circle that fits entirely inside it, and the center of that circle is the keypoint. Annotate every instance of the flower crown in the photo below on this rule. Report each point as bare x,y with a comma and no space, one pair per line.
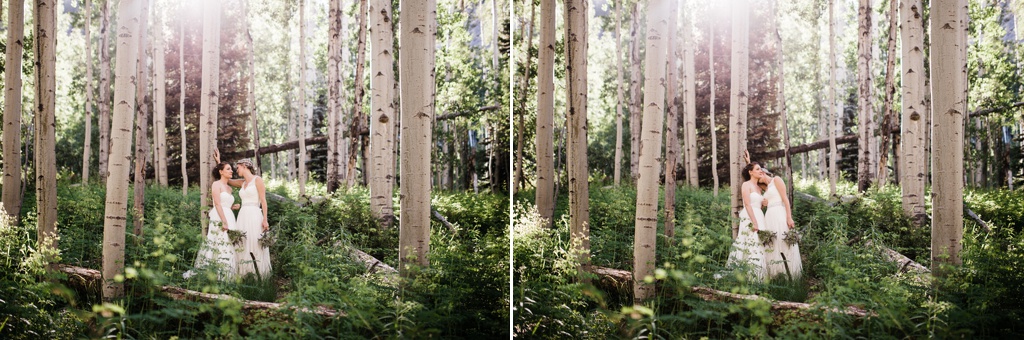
246,162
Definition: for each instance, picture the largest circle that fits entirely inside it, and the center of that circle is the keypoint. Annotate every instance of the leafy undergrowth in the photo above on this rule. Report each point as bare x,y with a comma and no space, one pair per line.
984,298
462,294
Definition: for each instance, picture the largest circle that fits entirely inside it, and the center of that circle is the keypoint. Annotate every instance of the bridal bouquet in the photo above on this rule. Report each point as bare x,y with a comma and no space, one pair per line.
236,237
268,238
765,236
792,237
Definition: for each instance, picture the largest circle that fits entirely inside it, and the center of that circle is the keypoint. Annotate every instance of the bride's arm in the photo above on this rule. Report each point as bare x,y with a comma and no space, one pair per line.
263,201
781,187
216,205
745,189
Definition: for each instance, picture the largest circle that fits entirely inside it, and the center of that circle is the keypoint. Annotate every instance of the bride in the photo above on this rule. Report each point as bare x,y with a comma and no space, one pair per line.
782,257
253,221
747,250
218,252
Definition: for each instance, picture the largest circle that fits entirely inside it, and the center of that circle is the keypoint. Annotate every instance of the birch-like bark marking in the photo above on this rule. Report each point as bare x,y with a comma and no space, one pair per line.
576,12
87,149
545,114
689,100
738,103
12,196
141,118
912,83
45,50
358,118
865,99
619,101
382,110
159,99
209,100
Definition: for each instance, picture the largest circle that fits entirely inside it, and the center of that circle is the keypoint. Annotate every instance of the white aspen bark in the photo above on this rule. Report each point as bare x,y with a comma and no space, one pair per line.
141,119
738,103
619,101
250,97
45,50
545,114
293,114
781,100
494,38
418,29
912,159
711,107
104,101
358,118
949,101
576,123
865,97
646,222
87,150
521,129
636,104
334,85
209,99
689,99
672,97
159,100
181,102
382,109
12,196
834,115
890,93
114,221
304,108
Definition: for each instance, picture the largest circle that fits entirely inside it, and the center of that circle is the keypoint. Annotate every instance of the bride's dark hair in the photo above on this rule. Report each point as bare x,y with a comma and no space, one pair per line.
747,169
220,166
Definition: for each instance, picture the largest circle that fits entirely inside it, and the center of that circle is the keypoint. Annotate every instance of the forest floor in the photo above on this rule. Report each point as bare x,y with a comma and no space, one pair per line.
846,265
462,294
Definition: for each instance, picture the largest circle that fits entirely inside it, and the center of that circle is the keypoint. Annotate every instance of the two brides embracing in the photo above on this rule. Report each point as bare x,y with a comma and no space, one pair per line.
766,242
245,254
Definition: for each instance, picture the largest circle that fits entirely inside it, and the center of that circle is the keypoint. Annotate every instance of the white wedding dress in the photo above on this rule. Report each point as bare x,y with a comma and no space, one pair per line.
250,221
747,251
782,258
217,252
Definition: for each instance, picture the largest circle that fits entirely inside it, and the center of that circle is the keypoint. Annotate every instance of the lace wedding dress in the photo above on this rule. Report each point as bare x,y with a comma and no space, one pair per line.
217,252
747,252
250,221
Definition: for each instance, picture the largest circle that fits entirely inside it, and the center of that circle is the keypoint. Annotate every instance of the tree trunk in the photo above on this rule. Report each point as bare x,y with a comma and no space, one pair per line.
949,68
334,86
738,103
358,119
209,101
619,101
671,117
781,100
912,160
44,49
689,100
636,104
181,102
711,107
865,98
142,115
834,113
576,120
545,114
304,108
120,148
416,67
104,93
890,93
12,194
521,128
250,97
646,223
159,99
382,108
87,150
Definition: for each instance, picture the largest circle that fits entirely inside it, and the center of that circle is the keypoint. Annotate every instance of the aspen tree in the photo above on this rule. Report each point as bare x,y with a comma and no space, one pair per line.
382,111
738,102
576,12
87,149
12,195
914,89
141,118
619,101
545,113
114,221
646,222
864,96
45,50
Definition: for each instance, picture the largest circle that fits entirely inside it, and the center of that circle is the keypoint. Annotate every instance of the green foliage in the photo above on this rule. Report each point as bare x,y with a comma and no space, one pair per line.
977,300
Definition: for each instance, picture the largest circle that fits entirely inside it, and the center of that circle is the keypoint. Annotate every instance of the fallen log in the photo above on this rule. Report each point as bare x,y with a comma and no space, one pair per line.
976,218
802,148
373,265
444,221
93,277
905,263
625,278
290,145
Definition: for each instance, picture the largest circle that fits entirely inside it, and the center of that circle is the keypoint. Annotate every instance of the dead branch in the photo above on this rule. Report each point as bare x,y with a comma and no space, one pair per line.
905,263
269,149
440,218
802,148
982,112
93,278
976,218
